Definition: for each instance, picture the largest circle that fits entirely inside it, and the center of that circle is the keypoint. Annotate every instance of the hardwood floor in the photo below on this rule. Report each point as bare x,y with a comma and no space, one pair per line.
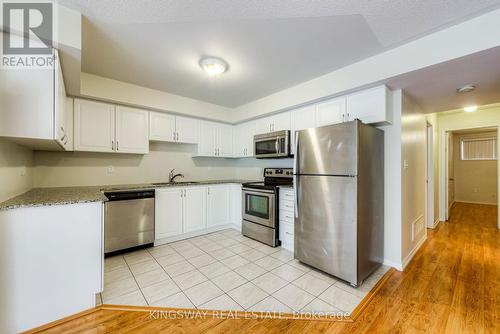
451,286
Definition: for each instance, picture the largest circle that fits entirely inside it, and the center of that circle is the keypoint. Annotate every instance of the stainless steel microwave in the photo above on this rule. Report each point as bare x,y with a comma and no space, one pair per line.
272,145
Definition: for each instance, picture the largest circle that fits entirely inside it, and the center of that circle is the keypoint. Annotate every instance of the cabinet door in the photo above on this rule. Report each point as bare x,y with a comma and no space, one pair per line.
187,130
239,143
60,130
168,212
219,205
281,121
247,138
207,139
330,112
26,101
224,140
301,119
370,106
263,125
132,130
94,126
195,209
161,126
68,119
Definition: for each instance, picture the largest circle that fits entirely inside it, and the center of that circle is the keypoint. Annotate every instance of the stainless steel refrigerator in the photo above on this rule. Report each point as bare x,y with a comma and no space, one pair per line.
339,199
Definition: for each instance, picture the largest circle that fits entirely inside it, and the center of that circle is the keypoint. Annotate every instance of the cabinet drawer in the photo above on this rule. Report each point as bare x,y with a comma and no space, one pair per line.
287,206
286,232
287,195
286,216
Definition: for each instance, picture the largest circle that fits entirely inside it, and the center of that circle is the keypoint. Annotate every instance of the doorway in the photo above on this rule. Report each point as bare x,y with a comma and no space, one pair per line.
471,167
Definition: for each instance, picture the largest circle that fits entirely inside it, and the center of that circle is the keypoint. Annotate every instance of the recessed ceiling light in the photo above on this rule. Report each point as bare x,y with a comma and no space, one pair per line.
466,89
213,66
470,108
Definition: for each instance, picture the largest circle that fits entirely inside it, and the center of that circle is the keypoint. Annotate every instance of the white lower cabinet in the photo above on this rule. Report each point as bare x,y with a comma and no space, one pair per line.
286,218
168,212
55,263
218,205
183,212
194,209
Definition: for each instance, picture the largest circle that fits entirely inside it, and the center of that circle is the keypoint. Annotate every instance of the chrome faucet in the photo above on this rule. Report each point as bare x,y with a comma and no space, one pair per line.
172,176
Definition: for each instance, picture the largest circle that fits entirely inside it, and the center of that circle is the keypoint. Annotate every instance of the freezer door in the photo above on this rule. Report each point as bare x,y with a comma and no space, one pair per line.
325,223
327,150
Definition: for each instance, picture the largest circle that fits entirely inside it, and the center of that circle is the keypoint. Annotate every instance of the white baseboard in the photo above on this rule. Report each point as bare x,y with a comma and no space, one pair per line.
395,265
410,256
436,223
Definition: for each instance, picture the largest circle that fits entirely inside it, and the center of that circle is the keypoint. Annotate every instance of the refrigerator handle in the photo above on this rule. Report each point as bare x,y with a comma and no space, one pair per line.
295,178
296,196
296,153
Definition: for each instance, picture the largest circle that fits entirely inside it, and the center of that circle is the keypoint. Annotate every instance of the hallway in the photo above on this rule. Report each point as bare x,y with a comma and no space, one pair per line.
451,286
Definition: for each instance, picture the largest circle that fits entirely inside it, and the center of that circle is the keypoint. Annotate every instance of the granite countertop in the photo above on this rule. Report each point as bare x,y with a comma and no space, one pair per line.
73,195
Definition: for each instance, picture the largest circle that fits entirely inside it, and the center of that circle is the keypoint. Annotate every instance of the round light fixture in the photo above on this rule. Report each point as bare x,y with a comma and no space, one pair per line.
466,89
470,108
213,66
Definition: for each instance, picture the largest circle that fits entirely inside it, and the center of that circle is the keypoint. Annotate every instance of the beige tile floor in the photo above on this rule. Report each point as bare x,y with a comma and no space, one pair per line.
226,271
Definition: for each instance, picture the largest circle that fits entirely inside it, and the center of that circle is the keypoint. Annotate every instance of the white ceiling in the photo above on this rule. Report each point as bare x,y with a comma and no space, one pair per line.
434,88
269,45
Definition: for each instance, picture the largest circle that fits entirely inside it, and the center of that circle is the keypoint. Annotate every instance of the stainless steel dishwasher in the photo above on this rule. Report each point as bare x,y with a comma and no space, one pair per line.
128,220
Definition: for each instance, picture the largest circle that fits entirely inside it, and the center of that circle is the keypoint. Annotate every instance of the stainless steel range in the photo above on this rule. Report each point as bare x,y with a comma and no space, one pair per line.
260,205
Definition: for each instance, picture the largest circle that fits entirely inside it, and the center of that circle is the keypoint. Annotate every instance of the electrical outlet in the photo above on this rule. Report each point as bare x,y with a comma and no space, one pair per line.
475,190
22,171
111,169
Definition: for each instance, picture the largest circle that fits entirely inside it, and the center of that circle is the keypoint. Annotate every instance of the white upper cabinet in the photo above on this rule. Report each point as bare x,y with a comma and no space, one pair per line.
102,127
33,105
161,126
132,130
219,205
224,140
302,118
215,140
187,129
243,139
166,127
207,139
273,123
330,112
194,209
370,106
94,126
281,121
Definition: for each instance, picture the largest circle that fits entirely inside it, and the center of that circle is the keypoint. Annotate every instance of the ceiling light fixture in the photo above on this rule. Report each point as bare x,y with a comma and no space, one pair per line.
466,89
470,108
213,66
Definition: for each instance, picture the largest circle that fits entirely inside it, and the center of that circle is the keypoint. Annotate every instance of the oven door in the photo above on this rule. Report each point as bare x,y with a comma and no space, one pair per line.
259,206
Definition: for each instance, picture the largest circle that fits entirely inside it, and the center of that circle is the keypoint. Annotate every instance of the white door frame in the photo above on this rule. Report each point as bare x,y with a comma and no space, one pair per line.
446,176
429,172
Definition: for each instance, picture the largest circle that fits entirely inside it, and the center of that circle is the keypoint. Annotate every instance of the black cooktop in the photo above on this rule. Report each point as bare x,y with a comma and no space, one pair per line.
273,177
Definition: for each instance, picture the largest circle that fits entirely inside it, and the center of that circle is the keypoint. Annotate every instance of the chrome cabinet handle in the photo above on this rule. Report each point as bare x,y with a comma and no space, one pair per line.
208,190
112,145
288,233
117,145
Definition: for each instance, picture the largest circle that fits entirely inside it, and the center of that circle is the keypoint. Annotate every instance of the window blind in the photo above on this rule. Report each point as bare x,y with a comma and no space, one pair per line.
479,148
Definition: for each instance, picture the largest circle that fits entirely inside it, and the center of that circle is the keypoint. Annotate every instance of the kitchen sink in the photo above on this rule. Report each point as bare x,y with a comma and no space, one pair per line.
176,183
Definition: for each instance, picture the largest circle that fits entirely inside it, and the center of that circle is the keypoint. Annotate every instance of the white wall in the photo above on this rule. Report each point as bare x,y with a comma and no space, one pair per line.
54,169
413,151
16,171
109,90
486,116
392,186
